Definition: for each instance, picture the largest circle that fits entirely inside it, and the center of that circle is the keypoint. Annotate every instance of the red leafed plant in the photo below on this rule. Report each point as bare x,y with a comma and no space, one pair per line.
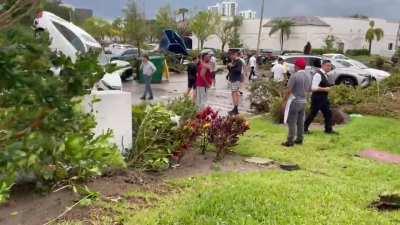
225,131
202,124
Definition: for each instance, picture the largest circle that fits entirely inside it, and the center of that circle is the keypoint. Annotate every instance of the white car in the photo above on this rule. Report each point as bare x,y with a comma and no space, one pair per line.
376,74
335,56
71,40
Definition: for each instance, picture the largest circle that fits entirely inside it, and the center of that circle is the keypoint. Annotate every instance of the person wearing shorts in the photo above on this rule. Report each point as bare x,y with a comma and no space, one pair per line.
236,78
203,82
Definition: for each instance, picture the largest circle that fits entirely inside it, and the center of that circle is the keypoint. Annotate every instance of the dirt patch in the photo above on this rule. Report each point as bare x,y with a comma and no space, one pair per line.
26,207
387,202
195,164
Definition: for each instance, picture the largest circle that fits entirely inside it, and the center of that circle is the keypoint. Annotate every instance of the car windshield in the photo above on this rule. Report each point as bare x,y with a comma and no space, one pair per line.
359,64
70,36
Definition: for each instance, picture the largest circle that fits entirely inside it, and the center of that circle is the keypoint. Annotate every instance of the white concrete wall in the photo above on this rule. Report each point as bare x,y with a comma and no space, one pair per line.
113,112
349,31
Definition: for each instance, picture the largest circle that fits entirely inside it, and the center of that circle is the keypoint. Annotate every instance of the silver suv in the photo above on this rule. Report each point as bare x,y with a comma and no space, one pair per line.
339,75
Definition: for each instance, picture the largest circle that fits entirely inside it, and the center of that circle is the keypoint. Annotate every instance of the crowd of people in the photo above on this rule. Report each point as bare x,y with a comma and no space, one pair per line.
201,72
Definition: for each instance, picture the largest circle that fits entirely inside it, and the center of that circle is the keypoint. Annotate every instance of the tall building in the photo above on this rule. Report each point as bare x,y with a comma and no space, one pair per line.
226,8
248,14
229,8
215,8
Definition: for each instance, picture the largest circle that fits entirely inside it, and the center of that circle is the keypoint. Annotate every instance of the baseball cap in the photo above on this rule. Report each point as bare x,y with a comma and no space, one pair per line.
301,63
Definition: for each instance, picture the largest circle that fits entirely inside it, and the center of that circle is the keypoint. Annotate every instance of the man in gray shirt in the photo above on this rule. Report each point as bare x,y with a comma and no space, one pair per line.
298,86
148,70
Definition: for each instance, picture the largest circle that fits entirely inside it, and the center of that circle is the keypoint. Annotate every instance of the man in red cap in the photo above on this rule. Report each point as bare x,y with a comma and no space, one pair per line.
298,86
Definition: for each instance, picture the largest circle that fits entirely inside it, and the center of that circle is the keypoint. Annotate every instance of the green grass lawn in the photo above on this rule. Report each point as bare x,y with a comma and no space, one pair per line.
334,186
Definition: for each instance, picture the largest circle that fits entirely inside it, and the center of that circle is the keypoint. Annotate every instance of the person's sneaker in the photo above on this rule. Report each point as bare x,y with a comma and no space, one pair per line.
143,98
298,142
332,132
150,98
288,144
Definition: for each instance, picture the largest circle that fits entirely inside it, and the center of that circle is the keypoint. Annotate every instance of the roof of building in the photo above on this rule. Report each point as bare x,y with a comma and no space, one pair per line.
300,21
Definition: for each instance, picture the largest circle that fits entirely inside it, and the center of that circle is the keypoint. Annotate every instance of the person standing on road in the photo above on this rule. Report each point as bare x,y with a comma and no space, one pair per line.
203,81
298,86
148,69
213,64
279,71
236,78
308,49
253,66
319,100
192,76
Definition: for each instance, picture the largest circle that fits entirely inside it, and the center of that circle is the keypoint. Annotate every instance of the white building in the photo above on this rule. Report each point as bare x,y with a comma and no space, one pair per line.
215,8
248,14
349,33
226,8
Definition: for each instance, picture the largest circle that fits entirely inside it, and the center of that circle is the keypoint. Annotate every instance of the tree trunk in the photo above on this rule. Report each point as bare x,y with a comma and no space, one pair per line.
281,41
370,47
202,44
183,17
223,46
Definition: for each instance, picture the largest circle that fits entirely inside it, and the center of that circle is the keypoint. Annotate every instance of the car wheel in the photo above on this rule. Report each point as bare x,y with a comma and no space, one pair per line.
348,81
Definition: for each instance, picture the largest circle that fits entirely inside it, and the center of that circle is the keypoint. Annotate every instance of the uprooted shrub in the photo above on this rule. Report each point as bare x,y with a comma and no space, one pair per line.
183,107
379,99
263,94
43,131
155,139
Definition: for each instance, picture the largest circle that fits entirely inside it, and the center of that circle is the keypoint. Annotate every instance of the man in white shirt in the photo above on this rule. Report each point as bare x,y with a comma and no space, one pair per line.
319,99
279,71
253,65
213,64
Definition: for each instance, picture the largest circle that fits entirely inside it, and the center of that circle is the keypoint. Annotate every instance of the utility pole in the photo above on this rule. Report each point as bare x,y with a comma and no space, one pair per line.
260,28
397,39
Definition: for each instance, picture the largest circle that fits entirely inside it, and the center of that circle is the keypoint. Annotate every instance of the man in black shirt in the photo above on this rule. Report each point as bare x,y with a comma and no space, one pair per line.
192,75
319,100
236,78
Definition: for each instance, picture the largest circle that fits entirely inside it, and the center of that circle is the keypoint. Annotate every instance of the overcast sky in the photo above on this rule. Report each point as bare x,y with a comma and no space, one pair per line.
388,9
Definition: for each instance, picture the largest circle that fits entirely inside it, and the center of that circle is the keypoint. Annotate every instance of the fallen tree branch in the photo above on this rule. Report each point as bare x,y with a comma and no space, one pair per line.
66,211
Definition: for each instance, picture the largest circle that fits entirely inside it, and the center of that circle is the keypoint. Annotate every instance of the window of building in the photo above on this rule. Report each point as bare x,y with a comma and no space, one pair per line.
70,36
390,47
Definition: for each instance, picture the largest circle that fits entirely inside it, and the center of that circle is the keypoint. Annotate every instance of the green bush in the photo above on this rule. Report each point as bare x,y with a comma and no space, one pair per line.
321,51
155,140
262,94
183,107
357,52
278,109
43,131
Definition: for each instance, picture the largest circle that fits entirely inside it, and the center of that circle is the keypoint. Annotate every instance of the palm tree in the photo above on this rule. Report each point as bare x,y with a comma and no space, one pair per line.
373,33
285,29
183,12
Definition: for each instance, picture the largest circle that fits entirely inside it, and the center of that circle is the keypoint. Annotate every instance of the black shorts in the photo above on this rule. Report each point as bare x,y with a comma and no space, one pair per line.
192,83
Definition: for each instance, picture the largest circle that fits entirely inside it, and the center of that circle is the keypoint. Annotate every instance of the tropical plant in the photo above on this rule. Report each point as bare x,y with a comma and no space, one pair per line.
11,11
203,25
234,39
165,19
225,131
136,30
284,27
372,34
182,12
330,43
